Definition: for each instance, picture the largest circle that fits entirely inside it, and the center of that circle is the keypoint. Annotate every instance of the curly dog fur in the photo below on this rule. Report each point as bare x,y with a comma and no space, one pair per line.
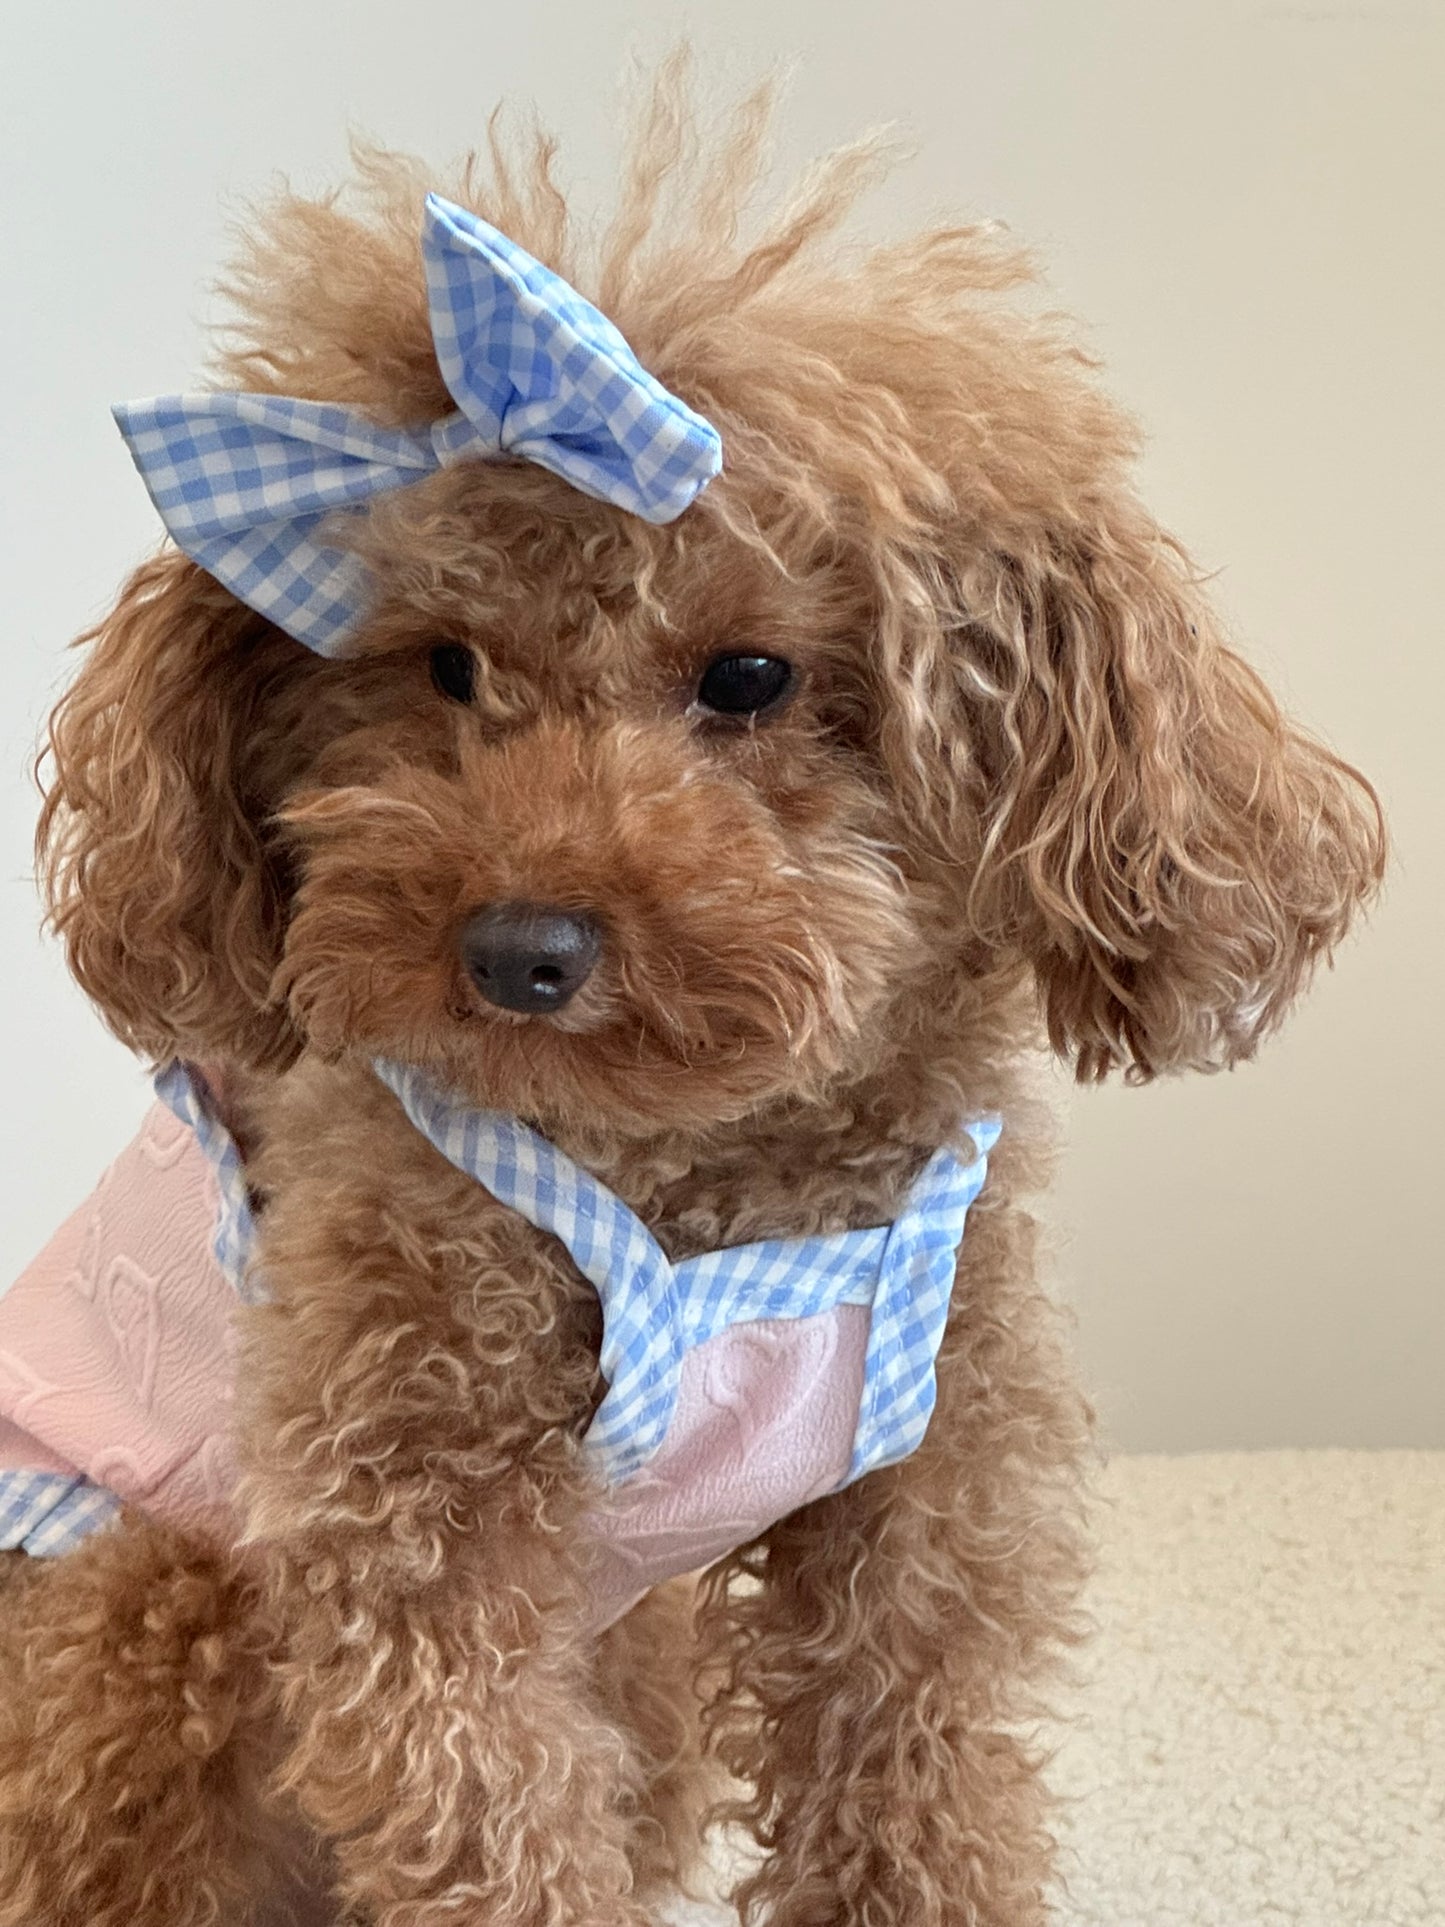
1021,777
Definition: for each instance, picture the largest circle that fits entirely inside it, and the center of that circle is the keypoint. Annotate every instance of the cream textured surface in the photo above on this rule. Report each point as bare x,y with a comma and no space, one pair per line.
1260,1741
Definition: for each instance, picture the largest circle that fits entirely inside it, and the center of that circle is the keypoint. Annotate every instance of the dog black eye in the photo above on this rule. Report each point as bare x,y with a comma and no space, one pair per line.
454,671
742,685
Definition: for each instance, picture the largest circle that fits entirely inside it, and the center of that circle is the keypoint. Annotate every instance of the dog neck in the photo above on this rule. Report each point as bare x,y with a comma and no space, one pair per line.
839,1159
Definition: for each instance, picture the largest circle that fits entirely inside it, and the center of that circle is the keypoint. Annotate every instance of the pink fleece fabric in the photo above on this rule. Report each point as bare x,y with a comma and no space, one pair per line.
116,1361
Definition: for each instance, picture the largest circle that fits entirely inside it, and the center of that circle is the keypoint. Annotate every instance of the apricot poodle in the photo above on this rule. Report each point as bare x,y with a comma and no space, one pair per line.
805,816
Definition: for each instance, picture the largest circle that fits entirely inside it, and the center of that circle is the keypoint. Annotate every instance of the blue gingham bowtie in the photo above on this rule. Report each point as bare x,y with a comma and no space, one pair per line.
244,482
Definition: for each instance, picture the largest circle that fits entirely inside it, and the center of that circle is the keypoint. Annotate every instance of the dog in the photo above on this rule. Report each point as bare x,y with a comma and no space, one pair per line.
733,859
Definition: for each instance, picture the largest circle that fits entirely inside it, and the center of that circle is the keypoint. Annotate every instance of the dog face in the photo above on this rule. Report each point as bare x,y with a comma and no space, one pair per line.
914,712
587,846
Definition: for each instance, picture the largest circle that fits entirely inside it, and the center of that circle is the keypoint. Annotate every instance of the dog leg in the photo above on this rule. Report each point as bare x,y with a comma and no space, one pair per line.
414,1391
134,1744
647,1677
879,1674
444,1740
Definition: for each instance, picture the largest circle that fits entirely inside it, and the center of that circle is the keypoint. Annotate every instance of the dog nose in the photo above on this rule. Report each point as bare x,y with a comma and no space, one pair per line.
529,956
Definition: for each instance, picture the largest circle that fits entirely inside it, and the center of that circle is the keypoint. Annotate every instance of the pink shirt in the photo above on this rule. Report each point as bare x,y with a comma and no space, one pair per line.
116,1364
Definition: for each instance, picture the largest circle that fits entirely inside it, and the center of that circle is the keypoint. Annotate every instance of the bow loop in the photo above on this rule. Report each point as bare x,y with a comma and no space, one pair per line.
540,373
245,483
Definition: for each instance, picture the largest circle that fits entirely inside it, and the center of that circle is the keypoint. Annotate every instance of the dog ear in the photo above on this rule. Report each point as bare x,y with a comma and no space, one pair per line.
151,839
1167,850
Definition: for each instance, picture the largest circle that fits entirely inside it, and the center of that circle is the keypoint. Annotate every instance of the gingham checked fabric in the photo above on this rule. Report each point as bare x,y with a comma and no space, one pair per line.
246,483
910,1303
181,1091
654,1312
46,1513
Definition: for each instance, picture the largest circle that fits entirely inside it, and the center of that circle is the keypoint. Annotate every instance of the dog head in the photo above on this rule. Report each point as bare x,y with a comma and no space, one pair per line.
915,712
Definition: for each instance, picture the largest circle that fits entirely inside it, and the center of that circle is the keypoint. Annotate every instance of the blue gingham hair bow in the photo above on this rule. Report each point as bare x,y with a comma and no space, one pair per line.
245,482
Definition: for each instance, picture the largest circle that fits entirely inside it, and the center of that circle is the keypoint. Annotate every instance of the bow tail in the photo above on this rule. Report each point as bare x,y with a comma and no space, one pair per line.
244,484
310,588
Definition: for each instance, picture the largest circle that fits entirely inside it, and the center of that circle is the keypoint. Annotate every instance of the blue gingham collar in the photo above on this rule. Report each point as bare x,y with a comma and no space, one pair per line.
245,482
655,1311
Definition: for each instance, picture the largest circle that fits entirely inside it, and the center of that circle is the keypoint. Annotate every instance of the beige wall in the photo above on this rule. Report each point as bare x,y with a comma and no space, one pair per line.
1244,200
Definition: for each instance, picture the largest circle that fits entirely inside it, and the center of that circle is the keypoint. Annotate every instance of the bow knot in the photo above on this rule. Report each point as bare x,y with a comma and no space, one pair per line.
245,482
